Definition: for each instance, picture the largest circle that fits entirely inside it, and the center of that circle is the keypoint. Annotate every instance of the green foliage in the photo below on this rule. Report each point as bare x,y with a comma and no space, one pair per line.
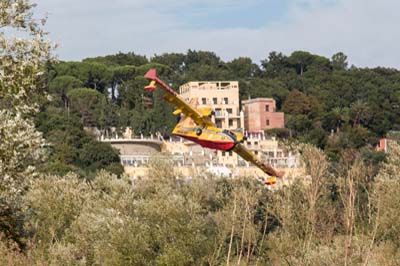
335,218
119,59
339,61
89,104
21,59
316,92
95,155
175,61
71,149
55,203
93,75
281,133
340,214
300,60
243,68
22,88
296,103
62,84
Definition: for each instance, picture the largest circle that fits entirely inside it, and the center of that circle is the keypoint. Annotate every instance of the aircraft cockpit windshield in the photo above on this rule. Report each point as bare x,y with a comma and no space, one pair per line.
230,134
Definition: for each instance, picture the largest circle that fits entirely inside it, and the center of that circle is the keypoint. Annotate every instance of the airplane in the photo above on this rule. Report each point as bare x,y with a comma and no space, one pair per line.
196,125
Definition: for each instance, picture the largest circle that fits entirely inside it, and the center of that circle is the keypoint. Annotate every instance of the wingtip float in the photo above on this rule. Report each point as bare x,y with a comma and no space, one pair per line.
196,125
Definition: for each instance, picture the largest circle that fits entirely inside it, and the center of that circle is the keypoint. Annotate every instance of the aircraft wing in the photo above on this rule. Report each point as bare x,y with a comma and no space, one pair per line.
175,99
250,157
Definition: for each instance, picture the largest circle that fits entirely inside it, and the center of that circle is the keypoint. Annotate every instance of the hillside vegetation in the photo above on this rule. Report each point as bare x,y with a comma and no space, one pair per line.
65,201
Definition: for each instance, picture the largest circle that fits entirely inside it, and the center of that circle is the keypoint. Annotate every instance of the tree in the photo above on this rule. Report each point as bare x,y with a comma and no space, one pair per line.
96,155
22,61
336,118
339,61
89,104
21,150
276,64
61,85
93,75
296,103
300,60
119,75
175,61
243,68
360,113
119,59
196,58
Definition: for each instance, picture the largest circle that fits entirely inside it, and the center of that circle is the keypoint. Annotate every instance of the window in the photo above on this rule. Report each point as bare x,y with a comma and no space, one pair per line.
230,153
203,100
256,152
215,100
223,153
225,100
230,123
267,108
229,110
267,122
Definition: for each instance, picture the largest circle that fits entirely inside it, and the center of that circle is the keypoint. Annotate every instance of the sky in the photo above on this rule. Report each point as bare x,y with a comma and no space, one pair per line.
367,31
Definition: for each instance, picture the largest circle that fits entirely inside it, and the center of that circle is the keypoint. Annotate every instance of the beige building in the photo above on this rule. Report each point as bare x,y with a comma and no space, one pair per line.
221,96
190,159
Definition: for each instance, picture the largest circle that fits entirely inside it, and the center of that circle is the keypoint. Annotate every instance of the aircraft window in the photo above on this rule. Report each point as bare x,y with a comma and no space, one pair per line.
230,134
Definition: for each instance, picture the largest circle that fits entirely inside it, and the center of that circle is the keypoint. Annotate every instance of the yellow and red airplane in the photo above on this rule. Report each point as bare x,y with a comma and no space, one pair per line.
196,125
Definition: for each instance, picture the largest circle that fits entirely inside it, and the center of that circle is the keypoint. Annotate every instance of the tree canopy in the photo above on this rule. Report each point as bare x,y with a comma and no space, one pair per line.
65,201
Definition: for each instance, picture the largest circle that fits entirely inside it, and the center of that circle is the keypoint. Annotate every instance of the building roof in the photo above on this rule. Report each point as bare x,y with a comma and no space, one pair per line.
258,100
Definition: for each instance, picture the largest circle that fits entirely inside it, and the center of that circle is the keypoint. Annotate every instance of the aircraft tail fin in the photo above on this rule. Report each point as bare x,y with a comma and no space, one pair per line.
155,81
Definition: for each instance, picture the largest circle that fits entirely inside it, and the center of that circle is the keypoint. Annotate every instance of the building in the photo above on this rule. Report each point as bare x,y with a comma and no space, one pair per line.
382,145
260,114
221,96
190,159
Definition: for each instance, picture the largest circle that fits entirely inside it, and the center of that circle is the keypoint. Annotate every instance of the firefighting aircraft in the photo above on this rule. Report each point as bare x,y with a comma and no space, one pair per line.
196,125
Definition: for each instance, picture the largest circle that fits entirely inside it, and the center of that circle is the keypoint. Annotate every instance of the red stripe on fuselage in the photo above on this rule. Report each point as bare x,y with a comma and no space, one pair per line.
217,145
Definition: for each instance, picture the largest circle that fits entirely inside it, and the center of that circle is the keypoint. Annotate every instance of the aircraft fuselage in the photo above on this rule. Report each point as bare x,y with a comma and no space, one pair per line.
209,137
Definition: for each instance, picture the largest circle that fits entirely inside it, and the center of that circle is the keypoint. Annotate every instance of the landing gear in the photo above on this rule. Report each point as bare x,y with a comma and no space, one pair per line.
199,131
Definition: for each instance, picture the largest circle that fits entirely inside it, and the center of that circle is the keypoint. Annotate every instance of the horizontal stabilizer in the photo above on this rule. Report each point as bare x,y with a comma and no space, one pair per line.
151,86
